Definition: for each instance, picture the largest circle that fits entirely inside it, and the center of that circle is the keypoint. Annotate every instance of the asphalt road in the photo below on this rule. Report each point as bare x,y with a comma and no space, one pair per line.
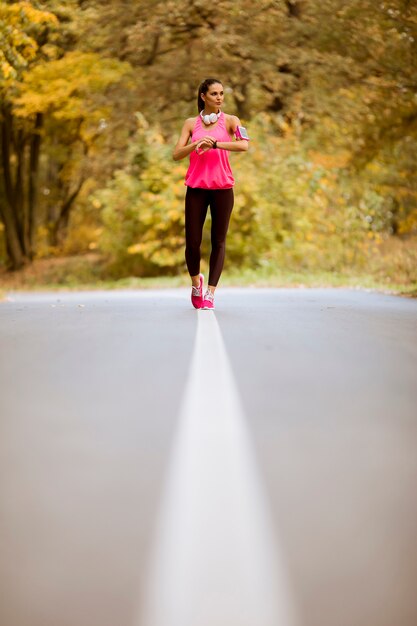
323,386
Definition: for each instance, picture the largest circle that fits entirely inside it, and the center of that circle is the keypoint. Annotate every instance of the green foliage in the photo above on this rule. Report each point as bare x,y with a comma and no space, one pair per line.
143,222
294,208
327,89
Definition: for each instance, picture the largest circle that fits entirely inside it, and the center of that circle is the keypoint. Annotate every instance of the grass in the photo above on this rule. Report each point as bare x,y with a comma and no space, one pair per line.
83,273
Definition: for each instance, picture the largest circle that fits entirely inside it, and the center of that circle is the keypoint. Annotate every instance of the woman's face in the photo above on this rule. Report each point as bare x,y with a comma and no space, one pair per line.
214,96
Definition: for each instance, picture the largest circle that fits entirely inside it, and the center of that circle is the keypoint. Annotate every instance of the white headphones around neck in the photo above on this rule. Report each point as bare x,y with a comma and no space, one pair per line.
210,119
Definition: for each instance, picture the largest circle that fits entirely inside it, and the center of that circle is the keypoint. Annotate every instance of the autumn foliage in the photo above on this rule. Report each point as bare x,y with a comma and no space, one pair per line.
93,96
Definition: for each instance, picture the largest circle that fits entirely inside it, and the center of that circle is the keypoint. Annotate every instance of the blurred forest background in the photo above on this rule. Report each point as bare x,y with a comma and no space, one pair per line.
93,97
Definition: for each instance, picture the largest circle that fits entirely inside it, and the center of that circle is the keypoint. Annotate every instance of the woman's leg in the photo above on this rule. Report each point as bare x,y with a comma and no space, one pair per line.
221,205
196,204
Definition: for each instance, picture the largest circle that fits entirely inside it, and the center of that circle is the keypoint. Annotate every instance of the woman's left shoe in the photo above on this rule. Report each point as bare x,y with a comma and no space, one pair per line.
208,300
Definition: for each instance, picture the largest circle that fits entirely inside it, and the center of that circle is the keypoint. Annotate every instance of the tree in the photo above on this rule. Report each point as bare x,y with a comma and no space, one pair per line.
66,92
21,29
318,82
47,97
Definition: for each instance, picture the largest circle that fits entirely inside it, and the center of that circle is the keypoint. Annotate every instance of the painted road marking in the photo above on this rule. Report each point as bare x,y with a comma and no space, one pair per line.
215,560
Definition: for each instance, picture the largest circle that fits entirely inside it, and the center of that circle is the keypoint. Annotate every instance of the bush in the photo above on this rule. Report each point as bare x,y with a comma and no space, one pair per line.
295,208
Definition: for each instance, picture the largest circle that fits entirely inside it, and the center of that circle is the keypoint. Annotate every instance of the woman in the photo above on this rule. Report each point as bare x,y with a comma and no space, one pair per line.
207,139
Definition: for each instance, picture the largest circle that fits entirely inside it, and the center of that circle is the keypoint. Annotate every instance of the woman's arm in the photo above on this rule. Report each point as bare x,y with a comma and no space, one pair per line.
183,148
240,145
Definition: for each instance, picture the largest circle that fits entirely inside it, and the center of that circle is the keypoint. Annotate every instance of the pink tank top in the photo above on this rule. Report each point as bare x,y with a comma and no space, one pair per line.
211,169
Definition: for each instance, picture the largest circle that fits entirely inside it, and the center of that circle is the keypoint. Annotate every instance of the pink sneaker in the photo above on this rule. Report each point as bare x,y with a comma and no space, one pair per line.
208,300
197,294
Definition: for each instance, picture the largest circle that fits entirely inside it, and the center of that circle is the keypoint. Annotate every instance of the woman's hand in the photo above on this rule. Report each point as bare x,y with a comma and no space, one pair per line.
206,143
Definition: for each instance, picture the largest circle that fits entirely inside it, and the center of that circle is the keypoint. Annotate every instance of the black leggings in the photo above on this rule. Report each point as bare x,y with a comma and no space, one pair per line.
197,202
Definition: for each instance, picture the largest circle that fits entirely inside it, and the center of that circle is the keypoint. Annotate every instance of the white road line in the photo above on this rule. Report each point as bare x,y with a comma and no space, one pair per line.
215,560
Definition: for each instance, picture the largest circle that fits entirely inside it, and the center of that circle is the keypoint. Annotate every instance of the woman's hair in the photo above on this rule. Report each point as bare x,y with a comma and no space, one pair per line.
203,88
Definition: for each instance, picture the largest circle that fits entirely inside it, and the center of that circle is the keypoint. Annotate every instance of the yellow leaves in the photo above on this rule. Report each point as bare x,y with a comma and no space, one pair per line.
409,225
164,253
166,258
320,199
18,24
296,203
20,12
141,121
179,170
178,187
65,86
174,214
329,161
374,167
284,126
137,248
146,215
347,93
158,138
50,51
147,196
176,241
6,69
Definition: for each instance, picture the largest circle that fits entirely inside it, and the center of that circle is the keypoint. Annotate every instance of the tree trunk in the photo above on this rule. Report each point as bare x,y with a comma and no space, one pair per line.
35,145
59,228
241,99
13,247
19,197
294,8
8,212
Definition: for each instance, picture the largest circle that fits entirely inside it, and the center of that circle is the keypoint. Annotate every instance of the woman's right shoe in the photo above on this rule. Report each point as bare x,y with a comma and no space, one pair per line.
197,294
208,300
